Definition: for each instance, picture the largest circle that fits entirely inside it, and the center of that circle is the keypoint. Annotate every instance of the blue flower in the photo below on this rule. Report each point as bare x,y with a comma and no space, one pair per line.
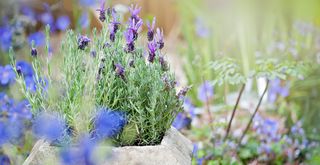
108,123
38,38
6,37
63,23
86,3
25,68
82,155
22,110
84,20
181,121
276,88
4,133
201,30
189,107
49,126
7,75
27,11
4,160
83,42
205,92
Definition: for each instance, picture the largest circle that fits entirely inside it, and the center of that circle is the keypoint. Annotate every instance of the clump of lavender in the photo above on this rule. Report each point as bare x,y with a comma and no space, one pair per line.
109,70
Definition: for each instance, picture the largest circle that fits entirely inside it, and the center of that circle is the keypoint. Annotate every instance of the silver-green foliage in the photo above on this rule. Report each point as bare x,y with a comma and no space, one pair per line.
146,93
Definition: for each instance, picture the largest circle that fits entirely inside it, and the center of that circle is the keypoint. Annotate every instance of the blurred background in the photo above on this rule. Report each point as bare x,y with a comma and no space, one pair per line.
197,33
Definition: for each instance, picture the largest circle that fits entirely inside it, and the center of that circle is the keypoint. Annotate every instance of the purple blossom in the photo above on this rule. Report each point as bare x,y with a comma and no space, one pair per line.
201,30
163,63
34,52
7,75
4,160
21,111
160,37
134,27
49,126
63,23
83,42
4,133
38,38
189,107
183,92
276,88
152,46
135,10
27,11
130,40
119,69
102,12
151,29
114,26
205,91
108,123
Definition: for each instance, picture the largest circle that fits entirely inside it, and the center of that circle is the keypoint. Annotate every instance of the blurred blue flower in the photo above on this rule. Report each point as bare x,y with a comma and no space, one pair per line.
205,92
6,37
7,75
181,121
276,88
22,110
38,38
49,126
84,20
78,156
63,23
189,107
86,3
25,68
108,123
27,11
4,160
4,133
201,30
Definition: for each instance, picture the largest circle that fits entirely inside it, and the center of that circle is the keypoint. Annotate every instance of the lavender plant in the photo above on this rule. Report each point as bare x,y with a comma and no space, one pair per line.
107,74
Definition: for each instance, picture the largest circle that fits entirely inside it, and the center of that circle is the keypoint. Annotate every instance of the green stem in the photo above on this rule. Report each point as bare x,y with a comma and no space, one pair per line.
254,114
234,111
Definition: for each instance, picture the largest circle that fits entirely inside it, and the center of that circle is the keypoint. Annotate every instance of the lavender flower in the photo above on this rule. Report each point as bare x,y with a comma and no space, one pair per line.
205,91
130,40
119,70
86,3
102,12
114,26
93,54
108,123
152,46
201,30
163,63
63,23
182,93
135,10
49,126
34,52
83,41
84,20
134,27
4,160
7,75
151,29
160,38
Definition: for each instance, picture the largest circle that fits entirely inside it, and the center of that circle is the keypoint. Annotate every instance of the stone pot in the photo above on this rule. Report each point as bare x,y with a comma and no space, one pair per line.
175,149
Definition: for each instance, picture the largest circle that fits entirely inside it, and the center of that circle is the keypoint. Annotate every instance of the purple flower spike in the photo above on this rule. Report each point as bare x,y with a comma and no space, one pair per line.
134,27
151,29
163,63
152,51
34,52
114,26
135,10
130,40
183,92
102,12
160,38
83,41
119,69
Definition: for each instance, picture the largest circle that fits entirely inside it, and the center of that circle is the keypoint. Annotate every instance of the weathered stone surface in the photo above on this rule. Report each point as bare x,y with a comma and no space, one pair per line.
174,149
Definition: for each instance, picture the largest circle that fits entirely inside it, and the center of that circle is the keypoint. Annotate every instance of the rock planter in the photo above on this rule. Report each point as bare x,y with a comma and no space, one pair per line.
175,149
